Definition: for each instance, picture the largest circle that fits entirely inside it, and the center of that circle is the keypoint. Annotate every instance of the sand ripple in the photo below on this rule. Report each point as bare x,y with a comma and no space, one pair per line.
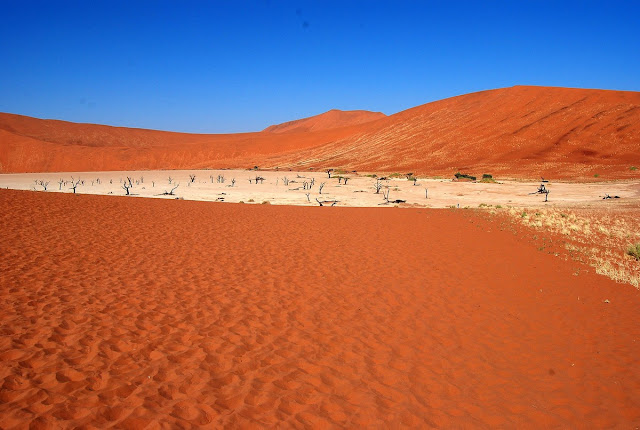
139,313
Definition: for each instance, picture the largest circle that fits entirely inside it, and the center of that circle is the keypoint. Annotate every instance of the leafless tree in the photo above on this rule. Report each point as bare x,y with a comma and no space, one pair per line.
415,181
321,187
426,193
329,172
233,182
192,178
313,181
386,195
345,179
285,180
74,184
378,186
60,182
170,193
142,179
323,202
211,177
308,198
43,184
126,186
170,179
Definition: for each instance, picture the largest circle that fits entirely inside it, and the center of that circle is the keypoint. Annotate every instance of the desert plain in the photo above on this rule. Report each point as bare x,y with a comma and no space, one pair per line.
442,304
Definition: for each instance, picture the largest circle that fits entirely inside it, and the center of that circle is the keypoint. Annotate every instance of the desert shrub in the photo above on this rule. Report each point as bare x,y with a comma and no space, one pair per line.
597,175
396,175
498,206
459,175
634,251
633,168
487,176
266,202
251,200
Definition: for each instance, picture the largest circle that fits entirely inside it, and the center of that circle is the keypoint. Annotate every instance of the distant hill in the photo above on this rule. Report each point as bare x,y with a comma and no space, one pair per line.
515,132
332,119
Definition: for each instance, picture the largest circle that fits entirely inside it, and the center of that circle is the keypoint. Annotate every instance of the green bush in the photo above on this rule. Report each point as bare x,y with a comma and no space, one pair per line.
487,176
459,175
634,251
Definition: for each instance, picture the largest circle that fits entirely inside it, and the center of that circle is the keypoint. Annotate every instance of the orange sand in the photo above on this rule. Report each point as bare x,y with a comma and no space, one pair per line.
332,119
521,132
142,312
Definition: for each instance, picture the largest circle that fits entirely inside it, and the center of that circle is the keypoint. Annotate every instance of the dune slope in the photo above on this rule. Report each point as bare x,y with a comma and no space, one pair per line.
332,119
222,315
518,131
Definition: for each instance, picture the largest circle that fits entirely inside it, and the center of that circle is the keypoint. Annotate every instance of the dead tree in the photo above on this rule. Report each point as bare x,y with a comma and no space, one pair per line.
415,181
211,177
60,182
378,186
426,193
170,193
74,184
220,179
323,202
43,184
126,186
546,195
313,181
321,187
233,181
142,179
259,178
305,185
192,178
170,179
308,198
386,195
285,180
329,172
345,179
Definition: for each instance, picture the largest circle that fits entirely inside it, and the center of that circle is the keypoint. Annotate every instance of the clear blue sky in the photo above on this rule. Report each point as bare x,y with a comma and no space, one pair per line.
232,66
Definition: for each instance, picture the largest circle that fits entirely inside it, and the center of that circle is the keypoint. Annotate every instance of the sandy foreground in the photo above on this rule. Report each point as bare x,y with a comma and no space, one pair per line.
144,313
288,188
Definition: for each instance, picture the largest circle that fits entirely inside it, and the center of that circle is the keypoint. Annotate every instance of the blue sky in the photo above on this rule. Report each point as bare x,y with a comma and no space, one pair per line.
234,66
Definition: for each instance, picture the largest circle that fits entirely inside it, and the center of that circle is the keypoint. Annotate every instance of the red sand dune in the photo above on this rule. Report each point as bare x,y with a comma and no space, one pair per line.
332,119
222,315
518,131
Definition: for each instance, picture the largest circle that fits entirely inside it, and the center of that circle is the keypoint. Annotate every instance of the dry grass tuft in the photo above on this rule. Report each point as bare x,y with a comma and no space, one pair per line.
601,238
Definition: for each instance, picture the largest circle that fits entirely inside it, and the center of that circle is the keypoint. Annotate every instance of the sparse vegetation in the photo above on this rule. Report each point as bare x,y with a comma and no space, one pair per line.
594,237
633,168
